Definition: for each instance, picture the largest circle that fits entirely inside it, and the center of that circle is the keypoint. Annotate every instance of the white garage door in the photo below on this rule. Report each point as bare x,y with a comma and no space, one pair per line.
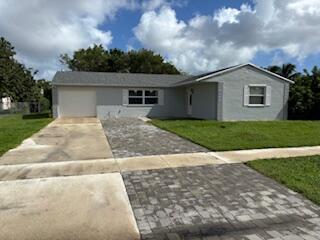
77,102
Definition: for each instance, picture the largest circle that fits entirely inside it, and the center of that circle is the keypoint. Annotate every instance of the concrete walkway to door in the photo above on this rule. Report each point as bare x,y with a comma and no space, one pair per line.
62,140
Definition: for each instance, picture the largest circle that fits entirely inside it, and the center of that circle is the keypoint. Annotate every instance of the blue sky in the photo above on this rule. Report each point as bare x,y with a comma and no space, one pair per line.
195,35
122,29
126,20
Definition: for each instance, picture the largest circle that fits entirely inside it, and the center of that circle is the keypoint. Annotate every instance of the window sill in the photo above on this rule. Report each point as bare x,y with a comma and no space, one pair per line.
257,105
141,105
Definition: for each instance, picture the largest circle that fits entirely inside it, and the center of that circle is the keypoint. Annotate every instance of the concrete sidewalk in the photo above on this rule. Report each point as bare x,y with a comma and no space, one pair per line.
267,153
98,166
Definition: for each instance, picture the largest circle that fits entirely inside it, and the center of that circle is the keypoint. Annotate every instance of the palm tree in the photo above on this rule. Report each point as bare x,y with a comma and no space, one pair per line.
286,70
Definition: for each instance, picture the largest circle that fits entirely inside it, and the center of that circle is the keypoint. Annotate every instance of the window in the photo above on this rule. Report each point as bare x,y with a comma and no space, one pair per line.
151,97
257,95
143,97
135,97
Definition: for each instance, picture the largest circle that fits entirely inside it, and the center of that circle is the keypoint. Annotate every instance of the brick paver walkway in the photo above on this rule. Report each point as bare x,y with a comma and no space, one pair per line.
218,202
130,137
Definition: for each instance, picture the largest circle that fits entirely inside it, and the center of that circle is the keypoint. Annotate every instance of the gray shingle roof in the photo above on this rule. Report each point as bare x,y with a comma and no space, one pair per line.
192,79
116,79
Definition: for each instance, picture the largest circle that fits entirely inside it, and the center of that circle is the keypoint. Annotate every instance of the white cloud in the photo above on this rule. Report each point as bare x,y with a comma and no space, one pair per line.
232,36
226,15
42,30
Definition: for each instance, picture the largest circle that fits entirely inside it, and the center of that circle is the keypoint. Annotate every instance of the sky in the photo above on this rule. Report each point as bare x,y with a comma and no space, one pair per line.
195,35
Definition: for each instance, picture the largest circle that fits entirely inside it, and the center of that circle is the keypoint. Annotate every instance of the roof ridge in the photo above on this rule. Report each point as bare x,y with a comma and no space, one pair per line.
94,72
224,70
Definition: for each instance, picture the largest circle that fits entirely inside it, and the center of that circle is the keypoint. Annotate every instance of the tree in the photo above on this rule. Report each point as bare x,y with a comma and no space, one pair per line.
304,97
98,59
314,79
146,61
6,60
16,81
91,59
45,90
301,98
286,70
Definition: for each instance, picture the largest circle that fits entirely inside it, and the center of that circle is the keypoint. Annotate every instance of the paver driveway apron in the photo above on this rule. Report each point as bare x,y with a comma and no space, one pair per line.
62,140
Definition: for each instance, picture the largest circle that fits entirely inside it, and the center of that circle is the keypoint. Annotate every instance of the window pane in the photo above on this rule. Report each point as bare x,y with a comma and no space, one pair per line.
151,100
151,93
256,100
135,92
257,90
135,100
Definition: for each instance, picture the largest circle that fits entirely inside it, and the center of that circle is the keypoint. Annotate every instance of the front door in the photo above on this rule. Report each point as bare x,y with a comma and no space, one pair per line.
190,93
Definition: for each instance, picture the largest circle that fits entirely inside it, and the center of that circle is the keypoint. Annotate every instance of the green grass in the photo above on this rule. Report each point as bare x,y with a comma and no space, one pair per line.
301,174
14,129
221,136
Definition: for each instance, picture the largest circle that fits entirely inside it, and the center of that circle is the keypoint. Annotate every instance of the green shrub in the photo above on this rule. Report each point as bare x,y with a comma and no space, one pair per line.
37,115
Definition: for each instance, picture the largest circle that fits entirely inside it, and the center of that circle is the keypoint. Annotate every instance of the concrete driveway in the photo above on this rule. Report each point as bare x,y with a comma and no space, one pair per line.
80,207
62,140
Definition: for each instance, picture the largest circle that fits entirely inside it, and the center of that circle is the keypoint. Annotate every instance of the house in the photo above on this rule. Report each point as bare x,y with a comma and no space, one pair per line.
5,103
242,92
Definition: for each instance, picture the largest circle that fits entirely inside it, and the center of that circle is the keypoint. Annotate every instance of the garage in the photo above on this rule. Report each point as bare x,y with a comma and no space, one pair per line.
76,102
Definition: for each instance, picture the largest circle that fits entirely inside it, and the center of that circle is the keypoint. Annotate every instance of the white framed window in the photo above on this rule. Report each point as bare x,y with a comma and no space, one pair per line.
142,97
135,97
151,97
257,95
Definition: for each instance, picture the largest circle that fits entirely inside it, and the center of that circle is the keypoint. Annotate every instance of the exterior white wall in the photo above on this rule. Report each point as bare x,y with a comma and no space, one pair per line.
204,101
110,104
232,89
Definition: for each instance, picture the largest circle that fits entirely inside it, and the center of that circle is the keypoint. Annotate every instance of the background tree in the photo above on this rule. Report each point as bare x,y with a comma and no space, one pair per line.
304,97
301,99
92,59
287,70
98,59
16,81
45,90
314,79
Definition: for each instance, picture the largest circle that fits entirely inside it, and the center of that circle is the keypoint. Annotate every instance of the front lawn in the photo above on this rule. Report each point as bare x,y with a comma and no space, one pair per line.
221,136
301,174
14,129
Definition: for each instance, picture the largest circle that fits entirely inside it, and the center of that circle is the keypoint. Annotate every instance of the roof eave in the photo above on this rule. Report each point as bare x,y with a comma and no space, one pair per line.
105,85
240,66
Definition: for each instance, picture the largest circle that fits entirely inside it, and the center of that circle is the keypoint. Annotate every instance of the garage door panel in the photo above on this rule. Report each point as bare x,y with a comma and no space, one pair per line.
77,102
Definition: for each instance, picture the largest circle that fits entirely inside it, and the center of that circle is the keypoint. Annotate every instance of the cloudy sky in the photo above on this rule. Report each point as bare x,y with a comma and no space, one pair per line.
195,35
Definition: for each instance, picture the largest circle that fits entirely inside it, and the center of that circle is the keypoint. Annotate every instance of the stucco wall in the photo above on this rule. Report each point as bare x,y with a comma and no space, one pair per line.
109,104
233,94
54,101
204,104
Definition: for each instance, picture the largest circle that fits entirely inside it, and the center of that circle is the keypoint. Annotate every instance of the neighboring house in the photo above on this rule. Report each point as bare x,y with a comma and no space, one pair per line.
242,92
5,103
